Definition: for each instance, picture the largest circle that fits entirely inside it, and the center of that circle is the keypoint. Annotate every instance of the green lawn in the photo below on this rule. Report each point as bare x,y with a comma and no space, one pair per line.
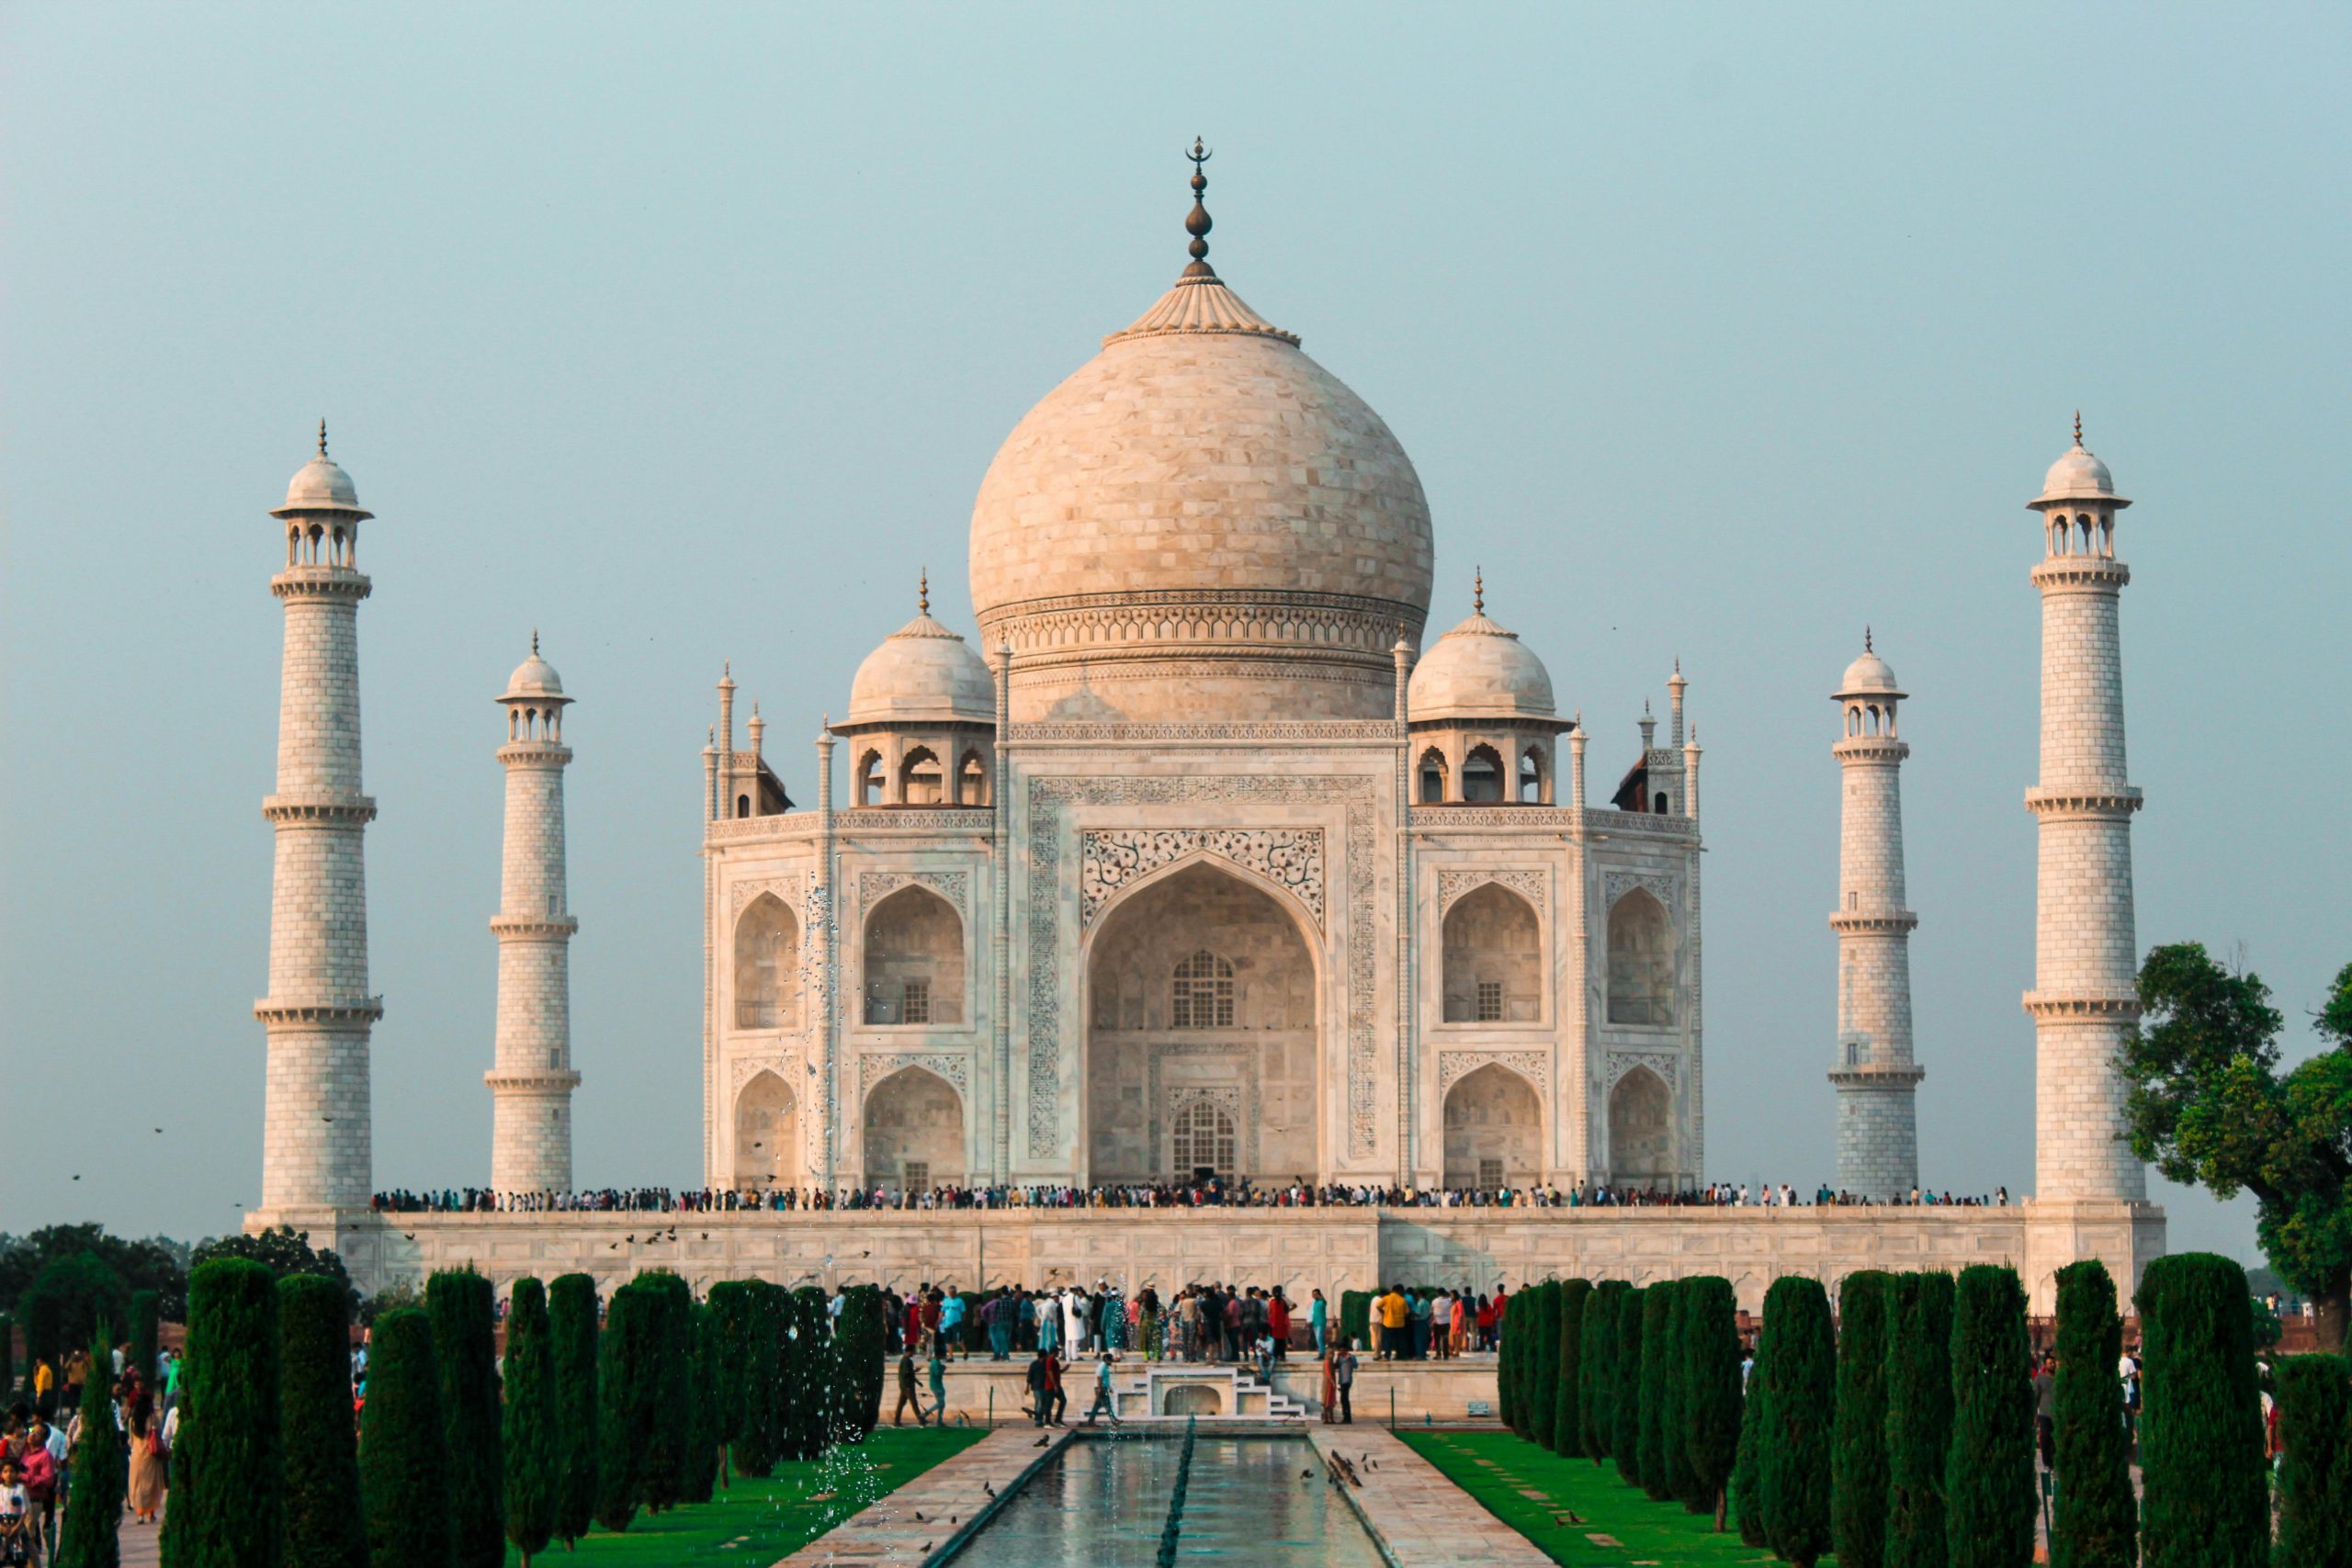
756,1522
1644,1531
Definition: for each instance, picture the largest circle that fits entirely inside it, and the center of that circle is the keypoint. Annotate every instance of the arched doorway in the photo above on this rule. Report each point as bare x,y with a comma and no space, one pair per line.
1641,1130
1494,1131
1201,1005
1494,957
767,1134
767,967
913,1129
914,959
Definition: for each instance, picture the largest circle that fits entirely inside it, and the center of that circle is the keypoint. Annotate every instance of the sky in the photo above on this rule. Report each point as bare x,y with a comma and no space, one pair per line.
685,334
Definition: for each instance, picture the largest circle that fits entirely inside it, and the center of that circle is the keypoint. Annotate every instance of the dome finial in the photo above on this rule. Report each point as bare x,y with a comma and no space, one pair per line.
1196,222
534,642
1866,639
2078,428
1478,590
923,592
323,437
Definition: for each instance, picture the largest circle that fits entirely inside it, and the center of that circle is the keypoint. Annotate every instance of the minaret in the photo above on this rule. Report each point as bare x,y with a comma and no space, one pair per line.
2085,999
1878,1135
316,1130
530,1089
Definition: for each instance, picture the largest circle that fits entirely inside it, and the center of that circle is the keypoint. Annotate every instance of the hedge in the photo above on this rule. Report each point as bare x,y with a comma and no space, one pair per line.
1540,1373
1657,1415
1625,1397
626,1383
91,1537
1597,1368
1567,1383
2315,1476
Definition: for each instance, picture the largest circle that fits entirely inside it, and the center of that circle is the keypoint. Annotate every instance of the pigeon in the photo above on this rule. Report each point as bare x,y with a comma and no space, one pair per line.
919,1518
1041,1442
926,1546
951,1518
987,1488
328,1120
159,1129
408,1236
1306,1476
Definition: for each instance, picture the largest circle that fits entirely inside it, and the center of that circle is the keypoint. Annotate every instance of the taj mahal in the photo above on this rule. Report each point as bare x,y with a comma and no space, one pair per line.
1207,852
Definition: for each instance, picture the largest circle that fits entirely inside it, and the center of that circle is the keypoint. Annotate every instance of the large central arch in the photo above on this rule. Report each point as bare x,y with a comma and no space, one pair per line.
1201,1009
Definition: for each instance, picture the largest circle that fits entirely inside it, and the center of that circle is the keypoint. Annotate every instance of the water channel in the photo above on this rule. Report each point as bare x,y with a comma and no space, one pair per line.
1103,1503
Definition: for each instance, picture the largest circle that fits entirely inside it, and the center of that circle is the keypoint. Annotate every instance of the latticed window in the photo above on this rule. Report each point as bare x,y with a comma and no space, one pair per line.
1490,1174
1203,997
1491,1001
918,1176
917,1001
1204,1137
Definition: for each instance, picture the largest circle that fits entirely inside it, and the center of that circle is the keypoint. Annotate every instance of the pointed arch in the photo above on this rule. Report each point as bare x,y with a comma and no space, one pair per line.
1493,945
912,1127
1482,775
914,960
870,782
1641,1130
921,780
972,779
767,965
1494,1130
1432,777
1641,961
767,1134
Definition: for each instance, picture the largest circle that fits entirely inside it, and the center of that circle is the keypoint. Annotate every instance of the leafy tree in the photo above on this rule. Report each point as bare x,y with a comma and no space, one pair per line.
531,1435
1799,1347
1597,1368
7,1358
1625,1399
146,1332
323,1524
1711,1399
1568,1388
285,1250
2201,1425
404,1447
2094,1518
2210,1106
625,1379
572,1328
228,1470
69,1298
463,1308
1748,1463
158,1264
90,1538
862,1326
2315,1476
1988,1476
1858,1450
1541,1370
1919,1418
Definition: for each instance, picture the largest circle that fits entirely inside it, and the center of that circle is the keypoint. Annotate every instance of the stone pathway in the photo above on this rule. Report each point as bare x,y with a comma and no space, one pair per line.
952,1496
1423,1519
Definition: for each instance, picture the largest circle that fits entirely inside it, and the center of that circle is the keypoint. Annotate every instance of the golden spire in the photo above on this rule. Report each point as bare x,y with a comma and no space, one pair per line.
1196,222
2078,428
923,592
1478,591
323,437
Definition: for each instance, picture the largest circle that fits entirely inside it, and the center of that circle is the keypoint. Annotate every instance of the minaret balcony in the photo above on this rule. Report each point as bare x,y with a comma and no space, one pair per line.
321,582
526,927
2103,574
325,810
2088,1004
1870,749
2082,800
528,751
1885,1076
1873,922
546,1079
358,1011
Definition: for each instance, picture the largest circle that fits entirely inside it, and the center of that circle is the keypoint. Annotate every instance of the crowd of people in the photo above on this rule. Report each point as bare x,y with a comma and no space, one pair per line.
43,1432
1214,1193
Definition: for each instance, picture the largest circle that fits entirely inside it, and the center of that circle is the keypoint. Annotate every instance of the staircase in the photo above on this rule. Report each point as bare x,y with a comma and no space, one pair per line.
1210,1393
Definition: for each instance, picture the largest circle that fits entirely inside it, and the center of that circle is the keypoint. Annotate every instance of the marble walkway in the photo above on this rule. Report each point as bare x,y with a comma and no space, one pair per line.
1423,1521
952,1496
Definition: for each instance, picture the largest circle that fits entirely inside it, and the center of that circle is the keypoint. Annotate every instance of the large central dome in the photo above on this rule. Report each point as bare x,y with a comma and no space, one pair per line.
1202,523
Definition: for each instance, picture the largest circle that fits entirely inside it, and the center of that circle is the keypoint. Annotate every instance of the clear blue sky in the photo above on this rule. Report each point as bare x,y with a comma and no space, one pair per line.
685,332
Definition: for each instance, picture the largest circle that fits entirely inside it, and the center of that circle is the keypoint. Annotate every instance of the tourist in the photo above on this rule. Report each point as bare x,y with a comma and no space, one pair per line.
951,1323
929,1318
1188,1323
939,1388
1056,1395
2045,1411
1148,1323
1039,1401
996,1312
908,1392
1396,1319
42,1459
1329,1393
1416,1307
144,1494
1104,1403
1278,1324
17,1544
1074,1320
1343,1380
1317,1316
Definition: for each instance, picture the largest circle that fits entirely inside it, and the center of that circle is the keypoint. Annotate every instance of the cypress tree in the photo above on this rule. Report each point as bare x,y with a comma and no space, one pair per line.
1683,1479
464,1312
1625,1398
670,1398
1597,1368
1567,1423
1858,1451
624,1415
1793,1452
146,1330
702,1450
816,1372
2201,1425
1537,1387
1711,1400
324,1528
2094,1518
1988,1475
2315,1476
90,1538
1506,1362
532,1436
8,1360
403,1447
1919,1420
1657,1350
227,1470
1747,1465
780,1315
730,1391
572,1326
860,1335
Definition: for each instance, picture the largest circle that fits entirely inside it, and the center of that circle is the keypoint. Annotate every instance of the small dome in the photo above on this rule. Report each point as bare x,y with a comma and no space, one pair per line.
2077,475
922,673
321,485
1480,670
1868,673
534,677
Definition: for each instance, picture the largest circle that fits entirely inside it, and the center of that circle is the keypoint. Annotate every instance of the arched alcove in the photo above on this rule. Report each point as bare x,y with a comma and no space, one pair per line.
1641,961
913,1129
1494,953
1641,1130
922,781
1494,1131
1201,989
767,1134
767,965
1482,776
914,959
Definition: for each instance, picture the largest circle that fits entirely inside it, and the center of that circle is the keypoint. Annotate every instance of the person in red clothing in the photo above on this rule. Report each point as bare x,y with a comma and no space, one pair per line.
1278,1324
1488,1315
